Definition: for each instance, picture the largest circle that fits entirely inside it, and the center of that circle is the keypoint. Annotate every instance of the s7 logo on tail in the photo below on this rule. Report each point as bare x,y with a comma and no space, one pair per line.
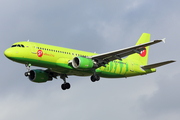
143,53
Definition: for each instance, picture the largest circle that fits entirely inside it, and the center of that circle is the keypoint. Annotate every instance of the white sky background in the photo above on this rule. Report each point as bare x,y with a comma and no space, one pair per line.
100,26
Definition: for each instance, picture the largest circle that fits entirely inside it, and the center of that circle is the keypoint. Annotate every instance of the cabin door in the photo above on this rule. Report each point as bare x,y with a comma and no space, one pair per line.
33,48
131,65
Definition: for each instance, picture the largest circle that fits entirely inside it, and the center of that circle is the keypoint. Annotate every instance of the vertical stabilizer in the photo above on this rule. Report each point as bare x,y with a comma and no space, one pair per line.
143,57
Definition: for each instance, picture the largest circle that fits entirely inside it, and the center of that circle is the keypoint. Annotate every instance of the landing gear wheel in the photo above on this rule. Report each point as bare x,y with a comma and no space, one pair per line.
95,78
65,86
27,74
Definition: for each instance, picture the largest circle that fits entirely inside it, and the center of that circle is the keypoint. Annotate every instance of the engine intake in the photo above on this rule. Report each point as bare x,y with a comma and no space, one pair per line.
39,76
82,63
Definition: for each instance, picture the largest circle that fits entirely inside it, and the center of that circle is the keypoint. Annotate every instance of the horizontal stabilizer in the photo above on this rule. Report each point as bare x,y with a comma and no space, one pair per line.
157,64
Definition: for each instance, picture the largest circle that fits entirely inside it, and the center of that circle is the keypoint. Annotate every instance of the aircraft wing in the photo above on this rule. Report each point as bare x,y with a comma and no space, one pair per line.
118,54
157,64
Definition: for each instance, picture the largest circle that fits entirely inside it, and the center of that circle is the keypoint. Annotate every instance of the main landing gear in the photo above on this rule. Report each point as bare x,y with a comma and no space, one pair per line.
95,77
28,70
65,85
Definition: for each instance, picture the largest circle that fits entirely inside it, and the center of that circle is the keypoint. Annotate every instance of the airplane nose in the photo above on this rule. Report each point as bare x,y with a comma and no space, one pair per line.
7,53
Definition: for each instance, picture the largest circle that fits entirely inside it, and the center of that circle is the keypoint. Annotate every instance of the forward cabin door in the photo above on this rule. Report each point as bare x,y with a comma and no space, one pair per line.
33,47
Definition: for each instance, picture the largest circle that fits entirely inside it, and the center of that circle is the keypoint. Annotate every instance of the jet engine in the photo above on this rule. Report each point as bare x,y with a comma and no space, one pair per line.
82,63
39,76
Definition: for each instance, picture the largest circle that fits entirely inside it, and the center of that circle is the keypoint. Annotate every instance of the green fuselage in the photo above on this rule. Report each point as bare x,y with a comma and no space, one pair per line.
57,59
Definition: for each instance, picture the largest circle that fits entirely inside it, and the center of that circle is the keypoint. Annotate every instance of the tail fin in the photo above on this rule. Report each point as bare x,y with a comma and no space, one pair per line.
143,57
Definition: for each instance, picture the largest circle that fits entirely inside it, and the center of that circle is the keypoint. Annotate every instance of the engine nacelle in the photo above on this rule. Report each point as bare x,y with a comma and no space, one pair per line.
82,63
39,76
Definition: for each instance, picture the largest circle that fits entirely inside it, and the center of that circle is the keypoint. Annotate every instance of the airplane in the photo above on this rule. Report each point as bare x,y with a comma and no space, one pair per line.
63,62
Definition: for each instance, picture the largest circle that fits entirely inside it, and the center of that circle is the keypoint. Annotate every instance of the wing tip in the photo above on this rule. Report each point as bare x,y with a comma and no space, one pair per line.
172,61
163,40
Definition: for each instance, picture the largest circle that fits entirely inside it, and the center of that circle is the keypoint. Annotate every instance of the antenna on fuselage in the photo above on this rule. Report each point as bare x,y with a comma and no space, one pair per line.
28,40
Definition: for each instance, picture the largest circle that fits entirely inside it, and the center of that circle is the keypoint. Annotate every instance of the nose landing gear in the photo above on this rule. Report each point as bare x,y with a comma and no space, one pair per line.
28,70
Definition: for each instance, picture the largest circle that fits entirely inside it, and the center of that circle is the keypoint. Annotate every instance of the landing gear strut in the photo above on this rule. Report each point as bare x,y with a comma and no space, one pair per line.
28,70
65,85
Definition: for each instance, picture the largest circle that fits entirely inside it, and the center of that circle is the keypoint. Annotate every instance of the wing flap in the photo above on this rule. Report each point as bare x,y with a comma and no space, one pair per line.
157,64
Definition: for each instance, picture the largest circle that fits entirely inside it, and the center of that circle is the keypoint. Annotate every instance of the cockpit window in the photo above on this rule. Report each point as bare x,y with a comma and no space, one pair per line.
13,46
18,45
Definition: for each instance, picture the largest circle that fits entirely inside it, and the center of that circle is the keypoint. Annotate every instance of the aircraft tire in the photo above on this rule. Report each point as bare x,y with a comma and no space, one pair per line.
26,74
95,78
65,86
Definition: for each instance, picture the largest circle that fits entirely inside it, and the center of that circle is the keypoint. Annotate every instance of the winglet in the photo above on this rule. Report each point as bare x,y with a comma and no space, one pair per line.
164,40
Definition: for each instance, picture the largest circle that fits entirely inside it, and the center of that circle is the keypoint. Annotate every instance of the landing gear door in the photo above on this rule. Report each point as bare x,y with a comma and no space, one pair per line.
33,47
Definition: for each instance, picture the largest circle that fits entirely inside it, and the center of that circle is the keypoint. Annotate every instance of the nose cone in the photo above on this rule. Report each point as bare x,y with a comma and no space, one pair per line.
8,53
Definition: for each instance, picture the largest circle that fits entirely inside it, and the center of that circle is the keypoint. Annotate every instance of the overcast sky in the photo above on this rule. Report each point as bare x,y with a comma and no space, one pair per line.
95,26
